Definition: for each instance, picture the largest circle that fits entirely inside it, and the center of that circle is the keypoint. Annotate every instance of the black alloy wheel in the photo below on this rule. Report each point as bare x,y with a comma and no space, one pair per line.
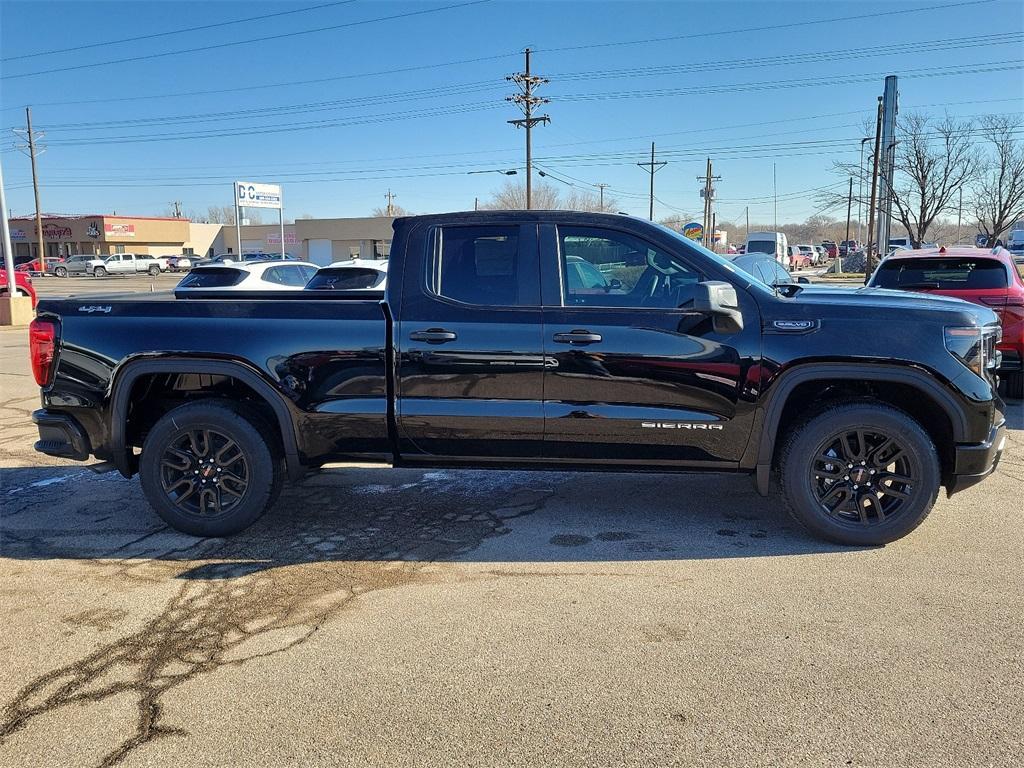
204,473
862,476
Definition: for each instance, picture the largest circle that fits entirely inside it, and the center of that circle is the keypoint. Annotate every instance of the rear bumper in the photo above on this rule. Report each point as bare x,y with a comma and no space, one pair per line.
60,435
973,463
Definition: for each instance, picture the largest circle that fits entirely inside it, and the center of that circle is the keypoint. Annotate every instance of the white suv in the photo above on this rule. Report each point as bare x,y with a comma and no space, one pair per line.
126,264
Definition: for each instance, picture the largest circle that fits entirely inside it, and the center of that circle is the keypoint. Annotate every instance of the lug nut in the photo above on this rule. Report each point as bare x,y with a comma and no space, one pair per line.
846,477
871,472
855,486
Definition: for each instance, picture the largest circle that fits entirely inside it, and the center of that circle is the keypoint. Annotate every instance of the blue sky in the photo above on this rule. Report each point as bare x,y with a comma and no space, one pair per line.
796,96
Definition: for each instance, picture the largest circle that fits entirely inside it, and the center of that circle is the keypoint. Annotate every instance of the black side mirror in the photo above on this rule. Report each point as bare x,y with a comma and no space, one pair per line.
803,280
719,300
614,284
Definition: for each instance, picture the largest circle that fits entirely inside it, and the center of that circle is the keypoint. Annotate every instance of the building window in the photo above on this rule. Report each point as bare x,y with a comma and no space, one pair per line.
188,252
118,249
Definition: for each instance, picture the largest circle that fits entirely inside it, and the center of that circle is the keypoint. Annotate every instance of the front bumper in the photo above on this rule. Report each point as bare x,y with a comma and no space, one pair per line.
60,435
973,463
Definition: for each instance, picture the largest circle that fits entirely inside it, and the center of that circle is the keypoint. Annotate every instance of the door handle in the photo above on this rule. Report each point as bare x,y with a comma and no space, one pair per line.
433,336
577,337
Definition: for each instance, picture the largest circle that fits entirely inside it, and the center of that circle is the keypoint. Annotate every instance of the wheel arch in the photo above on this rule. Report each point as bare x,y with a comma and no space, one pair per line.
934,399
130,373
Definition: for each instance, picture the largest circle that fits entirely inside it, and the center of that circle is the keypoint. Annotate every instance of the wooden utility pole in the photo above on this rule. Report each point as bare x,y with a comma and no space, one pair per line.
600,188
874,193
390,210
526,101
30,135
748,220
849,208
652,168
708,193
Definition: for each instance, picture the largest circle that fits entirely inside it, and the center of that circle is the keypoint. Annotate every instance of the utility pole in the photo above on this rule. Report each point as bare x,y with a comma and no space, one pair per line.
888,163
747,209
177,208
959,215
775,194
600,188
860,194
526,101
849,208
708,193
390,210
652,168
476,203
874,193
31,138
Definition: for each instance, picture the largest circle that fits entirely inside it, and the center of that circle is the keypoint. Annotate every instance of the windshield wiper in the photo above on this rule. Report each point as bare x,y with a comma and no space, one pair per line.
918,285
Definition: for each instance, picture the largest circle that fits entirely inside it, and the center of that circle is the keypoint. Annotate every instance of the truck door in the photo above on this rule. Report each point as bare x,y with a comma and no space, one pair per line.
638,375
470,352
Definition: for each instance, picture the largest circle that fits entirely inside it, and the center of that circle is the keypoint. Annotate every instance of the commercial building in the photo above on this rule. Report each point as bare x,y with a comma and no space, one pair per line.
319,240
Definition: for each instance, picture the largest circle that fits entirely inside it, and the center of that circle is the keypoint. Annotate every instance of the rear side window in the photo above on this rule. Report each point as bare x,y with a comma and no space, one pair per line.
479,265
214,277
348,279
949,274
286,275
761,246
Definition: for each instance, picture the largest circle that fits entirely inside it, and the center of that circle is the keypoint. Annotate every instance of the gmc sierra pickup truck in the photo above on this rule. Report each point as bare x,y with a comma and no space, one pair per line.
531,340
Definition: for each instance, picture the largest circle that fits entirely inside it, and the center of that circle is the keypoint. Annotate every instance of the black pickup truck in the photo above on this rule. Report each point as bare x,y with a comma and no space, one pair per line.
533,340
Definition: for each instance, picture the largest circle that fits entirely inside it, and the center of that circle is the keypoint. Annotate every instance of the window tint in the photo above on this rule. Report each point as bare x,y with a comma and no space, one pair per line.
212,277
761,246
606,268
479,265
942,274
348,279
286,275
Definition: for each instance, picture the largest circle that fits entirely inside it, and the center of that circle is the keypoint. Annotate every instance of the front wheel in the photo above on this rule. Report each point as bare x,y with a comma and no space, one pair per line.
863,474
1015,385
210,468
99,272
61,271
154,270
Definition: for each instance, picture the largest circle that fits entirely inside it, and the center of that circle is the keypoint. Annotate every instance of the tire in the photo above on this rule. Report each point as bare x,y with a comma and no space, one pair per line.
176,446
60,271
154,270
99,272
834,502
1014,386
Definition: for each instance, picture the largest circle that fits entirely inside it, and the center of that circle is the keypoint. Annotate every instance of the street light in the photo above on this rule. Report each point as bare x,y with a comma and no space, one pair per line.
494,170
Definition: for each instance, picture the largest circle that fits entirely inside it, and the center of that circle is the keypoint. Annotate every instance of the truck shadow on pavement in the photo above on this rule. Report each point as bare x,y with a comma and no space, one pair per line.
329,543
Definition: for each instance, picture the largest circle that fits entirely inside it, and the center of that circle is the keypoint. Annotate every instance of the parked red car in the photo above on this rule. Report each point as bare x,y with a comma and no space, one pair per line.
980,276
23,283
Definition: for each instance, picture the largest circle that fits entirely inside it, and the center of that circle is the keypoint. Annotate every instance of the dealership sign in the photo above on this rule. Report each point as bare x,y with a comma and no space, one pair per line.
693,230
274,238
118,230
251,195
17,234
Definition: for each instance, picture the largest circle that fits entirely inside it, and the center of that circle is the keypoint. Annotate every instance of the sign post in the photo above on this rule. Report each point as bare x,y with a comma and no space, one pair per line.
250,194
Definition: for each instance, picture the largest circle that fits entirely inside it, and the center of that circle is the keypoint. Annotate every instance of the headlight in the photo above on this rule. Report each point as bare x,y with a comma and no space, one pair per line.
974,347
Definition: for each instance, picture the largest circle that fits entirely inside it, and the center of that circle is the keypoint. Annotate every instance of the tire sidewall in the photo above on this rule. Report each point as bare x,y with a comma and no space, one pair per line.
61,272
99,272
229,421
797,484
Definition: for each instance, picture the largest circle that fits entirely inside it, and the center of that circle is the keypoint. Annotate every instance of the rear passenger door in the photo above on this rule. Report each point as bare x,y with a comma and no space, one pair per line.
470,349
637,374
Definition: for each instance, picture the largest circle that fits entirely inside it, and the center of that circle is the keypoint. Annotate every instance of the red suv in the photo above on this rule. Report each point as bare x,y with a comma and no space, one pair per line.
980,276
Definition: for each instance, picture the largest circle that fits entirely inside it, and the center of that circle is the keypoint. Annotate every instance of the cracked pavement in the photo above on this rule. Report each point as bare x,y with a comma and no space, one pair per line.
382,617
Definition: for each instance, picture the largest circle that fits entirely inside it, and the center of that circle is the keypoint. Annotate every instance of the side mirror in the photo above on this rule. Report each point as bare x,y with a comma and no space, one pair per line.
718,299
803,280
614,284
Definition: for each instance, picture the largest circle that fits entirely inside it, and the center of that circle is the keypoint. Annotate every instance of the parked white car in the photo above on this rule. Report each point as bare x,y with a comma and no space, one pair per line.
125,264
253,276
356,275
774,244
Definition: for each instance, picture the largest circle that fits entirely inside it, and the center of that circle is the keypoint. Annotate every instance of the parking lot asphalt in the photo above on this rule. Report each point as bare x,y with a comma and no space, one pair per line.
398,617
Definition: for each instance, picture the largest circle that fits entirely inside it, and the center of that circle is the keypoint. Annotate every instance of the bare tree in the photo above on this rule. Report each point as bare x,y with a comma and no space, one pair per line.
396,210
933,162
220,214
512,196
998,191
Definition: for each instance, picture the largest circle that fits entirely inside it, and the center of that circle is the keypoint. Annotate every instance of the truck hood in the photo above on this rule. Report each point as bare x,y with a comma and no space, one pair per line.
884,298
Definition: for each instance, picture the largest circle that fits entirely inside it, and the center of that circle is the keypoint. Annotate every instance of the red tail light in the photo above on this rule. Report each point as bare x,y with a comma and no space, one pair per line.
42,343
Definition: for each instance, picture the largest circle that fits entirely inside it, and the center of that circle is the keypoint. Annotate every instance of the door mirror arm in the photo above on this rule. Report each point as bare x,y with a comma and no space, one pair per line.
719,300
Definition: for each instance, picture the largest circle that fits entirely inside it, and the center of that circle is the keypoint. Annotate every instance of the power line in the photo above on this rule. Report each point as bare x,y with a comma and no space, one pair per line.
137,38
265,38
763,28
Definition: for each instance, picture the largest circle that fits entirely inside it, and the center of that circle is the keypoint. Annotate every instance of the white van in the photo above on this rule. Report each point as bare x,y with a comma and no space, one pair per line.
772,243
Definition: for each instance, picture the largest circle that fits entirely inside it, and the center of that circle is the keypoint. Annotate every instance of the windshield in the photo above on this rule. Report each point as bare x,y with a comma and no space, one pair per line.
761,246
947,274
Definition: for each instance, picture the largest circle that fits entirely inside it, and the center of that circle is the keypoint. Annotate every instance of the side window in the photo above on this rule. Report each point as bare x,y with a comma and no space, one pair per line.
479,265
607,268
115,258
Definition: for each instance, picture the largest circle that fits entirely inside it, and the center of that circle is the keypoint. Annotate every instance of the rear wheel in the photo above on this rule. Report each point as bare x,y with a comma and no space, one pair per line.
60,271
210,468
861,474
153,270
100,272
